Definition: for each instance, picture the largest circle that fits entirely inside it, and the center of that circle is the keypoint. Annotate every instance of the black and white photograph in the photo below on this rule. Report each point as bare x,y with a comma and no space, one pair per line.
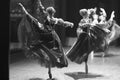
64,40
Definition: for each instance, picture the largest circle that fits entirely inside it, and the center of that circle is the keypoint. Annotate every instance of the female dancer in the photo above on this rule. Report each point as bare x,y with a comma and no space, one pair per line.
38,40
99,30
84,13
50,22
106,26
84,44
90,38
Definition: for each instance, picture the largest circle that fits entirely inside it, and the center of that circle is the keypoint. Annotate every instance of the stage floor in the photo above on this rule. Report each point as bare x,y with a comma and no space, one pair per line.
100,68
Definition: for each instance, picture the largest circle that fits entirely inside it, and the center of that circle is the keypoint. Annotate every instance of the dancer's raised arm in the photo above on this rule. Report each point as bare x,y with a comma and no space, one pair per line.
60,21
112,16
29,17
23,8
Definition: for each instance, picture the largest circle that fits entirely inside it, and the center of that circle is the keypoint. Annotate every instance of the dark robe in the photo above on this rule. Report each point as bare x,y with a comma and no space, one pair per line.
40,42
90,39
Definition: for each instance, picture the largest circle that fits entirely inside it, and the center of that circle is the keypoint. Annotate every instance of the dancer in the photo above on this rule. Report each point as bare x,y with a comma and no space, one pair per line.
104,30
90,38
99,31
39,39
50,22
85,20
93,16
103,21
114,33
106,26
84,44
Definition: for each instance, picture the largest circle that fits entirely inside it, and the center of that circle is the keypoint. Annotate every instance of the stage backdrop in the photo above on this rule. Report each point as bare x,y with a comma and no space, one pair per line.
16,14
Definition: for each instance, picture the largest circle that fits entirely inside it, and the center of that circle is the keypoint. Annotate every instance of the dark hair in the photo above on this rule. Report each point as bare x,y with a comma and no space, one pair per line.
50,10
83,12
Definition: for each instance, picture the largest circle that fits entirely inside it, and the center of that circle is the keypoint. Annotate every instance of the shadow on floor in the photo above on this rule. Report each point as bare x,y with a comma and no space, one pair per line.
81,75
42,79
36,79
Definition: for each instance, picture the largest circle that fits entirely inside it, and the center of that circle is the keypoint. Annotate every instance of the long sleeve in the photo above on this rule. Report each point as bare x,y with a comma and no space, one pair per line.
28,16
31,19
64,23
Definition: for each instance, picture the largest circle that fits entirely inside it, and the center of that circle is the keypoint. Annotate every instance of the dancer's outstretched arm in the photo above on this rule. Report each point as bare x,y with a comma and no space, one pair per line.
29,17
64,23
23,8
111,20
112,16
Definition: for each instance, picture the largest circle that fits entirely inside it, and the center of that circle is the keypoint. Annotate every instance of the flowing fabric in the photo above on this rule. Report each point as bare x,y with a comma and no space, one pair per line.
40,42
115,32
105,37
89,40
100,41
82,47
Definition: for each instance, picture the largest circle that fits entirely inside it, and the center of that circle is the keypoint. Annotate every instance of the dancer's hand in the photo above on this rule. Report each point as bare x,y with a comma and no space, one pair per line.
112,15
21,5
71,24
23,8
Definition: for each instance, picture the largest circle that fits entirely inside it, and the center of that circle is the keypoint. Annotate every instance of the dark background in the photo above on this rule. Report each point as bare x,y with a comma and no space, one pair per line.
65,9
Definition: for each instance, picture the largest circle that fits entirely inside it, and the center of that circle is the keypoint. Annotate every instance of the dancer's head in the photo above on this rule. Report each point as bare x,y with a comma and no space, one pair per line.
83,13
103,15
92,12
103,12
50,11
